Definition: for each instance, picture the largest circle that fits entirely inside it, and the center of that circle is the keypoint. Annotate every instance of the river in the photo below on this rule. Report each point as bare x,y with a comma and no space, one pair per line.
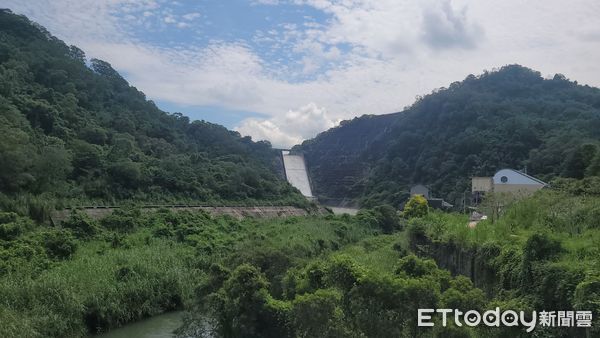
161,326
342,210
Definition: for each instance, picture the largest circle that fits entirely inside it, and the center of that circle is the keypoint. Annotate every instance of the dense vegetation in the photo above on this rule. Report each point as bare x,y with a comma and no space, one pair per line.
541,255
73,131
327,276
507,118
71,134
63,282
88,275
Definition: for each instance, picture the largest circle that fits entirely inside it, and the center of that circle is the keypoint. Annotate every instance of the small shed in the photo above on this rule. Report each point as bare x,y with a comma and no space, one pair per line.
438,203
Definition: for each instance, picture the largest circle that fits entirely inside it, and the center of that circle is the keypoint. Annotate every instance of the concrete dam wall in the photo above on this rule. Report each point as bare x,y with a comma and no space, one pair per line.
295,172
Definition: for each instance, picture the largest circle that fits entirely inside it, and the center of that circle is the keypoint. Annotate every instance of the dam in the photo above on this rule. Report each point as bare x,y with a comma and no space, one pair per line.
296,174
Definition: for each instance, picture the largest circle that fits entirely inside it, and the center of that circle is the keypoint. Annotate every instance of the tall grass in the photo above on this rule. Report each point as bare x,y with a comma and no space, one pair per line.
100,288
122,274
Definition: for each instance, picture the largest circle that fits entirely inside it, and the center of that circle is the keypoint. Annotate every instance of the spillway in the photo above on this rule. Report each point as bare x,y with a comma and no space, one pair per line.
295,172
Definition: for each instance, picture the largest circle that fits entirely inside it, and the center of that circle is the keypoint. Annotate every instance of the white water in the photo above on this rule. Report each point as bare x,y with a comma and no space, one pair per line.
295,171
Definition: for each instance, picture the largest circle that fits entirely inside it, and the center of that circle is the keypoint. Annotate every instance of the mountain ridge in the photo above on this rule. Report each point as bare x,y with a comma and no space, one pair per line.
74,131
511,117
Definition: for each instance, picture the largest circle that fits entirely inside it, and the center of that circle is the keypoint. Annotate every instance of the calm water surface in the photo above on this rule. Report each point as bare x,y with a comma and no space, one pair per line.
341,210
161,326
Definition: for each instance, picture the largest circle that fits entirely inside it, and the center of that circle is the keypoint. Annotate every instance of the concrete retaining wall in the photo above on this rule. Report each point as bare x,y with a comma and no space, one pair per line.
237,212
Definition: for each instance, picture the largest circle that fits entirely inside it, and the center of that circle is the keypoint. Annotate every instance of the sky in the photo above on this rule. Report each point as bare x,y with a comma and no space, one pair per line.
285,70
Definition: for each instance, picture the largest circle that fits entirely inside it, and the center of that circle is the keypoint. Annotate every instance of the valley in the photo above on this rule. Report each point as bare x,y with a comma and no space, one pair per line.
113,212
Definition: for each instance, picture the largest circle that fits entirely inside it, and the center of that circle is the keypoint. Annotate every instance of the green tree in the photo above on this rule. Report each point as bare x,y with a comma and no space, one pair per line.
540,247
126,172
52,167
414,266
83,133
59,244
579,160
416,206
387,218
463,296
81,225
86,158
318,314
587,298
343,272
243,300
594,168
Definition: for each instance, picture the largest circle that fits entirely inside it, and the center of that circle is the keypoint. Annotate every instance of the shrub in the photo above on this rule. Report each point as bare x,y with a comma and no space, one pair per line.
462,295
416,206
81,225
162,232
344,272
217,275
367,218
587,298
59,244
315,274
317,314
122,220
417,235
413,266
242,301
11,226
7,217
541,247
387,218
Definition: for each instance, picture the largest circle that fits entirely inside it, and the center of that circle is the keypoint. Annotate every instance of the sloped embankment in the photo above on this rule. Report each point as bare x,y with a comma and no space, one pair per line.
236,212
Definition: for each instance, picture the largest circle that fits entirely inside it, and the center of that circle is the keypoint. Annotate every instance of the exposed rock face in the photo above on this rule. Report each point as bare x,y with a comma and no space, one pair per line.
475,262
338,161
471,262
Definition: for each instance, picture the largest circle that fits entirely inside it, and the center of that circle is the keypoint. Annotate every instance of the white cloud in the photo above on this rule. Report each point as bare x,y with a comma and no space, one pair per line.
169,19
265,2
368,57
289,129
191,16
445,27
267,130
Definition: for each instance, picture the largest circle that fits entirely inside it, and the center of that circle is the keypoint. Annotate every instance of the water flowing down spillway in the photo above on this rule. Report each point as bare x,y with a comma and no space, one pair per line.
295,172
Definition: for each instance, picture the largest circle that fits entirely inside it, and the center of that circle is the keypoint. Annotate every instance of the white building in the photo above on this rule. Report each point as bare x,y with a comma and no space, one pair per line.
507,181
513,181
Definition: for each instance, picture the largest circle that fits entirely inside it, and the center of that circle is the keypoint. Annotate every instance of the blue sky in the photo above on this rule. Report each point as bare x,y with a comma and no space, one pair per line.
215,114
284,70
255,25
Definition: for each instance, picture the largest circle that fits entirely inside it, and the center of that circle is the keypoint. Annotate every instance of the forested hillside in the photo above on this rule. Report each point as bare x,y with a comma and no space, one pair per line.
73,130
512,118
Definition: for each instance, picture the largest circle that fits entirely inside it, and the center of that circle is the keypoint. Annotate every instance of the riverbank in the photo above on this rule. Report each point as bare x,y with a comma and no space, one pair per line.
298,276
159,326
88,276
